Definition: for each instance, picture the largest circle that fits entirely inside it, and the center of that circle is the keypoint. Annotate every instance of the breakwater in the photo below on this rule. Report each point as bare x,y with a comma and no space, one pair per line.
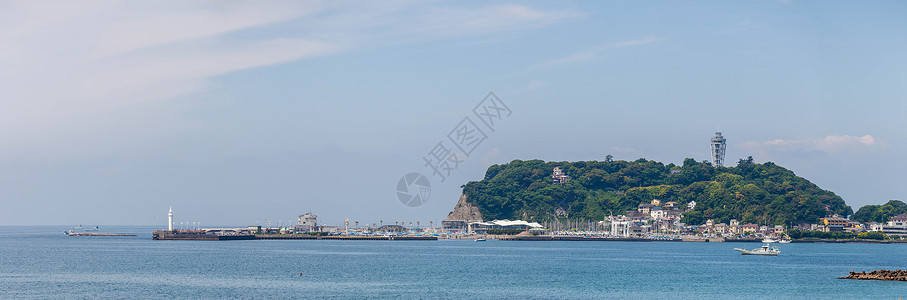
345,237
204,236
99,234
582,238
887,275
197,236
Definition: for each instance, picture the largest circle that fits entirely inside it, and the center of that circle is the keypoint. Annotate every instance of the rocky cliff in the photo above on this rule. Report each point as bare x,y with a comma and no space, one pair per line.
464,211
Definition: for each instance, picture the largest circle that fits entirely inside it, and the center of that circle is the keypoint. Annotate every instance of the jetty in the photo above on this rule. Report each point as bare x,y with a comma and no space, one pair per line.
346,237
887,275
582,238
98,234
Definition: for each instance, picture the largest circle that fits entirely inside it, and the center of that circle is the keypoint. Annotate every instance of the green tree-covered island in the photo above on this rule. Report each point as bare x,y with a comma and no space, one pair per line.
749,192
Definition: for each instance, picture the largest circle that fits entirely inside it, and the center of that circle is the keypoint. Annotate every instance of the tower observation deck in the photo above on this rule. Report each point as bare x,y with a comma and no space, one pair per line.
718,146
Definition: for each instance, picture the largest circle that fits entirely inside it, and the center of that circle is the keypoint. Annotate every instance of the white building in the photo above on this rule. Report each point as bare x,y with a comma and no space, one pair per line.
307,222
620,229
897,225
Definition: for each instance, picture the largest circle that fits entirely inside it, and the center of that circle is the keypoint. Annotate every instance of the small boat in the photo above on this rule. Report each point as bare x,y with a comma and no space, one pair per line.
769,240
480,239
784,241
765,250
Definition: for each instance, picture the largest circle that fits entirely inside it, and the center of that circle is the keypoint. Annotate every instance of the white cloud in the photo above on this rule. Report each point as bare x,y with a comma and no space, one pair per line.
828,144
593,53
64,62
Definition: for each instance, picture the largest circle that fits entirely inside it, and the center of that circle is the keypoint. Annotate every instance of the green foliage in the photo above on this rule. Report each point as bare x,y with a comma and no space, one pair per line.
752,193
504,231
837,235
880,213
872,235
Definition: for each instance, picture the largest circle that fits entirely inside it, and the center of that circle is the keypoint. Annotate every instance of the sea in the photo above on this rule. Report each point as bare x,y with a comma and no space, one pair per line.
43,263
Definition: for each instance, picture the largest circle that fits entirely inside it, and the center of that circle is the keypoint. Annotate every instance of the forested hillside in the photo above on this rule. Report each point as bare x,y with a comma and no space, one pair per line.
750,192
880,213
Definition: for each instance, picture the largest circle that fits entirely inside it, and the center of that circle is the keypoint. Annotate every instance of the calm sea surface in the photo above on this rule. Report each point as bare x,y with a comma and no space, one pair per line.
41,262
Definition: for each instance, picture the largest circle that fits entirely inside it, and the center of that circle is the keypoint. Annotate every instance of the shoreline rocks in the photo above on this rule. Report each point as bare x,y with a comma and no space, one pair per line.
888,275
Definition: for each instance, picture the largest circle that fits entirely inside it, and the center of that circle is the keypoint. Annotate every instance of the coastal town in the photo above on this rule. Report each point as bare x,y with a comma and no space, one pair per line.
653,219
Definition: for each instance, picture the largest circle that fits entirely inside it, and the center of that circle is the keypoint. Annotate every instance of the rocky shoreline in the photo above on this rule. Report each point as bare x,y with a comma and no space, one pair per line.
889,275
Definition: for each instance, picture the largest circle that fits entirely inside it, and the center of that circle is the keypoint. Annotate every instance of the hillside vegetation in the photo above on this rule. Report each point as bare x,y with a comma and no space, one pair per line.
880,213
750,192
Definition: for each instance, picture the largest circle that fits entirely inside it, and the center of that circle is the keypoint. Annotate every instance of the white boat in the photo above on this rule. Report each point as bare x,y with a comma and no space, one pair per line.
480,239
765,250
769,240
784,241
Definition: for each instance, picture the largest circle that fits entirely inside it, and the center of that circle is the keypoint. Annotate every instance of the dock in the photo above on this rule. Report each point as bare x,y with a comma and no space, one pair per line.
345,237
98,234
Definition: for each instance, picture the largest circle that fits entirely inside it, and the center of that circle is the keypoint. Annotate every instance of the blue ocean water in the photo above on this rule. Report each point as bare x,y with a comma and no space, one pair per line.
41,262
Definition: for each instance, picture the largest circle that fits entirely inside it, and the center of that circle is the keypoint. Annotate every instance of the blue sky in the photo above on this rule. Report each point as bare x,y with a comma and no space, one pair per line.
243,112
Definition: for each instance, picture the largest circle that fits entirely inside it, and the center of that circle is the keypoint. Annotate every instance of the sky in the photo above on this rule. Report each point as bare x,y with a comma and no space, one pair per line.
238,113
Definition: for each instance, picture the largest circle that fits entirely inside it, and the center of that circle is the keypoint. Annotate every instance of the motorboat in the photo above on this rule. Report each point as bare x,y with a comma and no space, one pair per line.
480,239
784,241
764,250
769,240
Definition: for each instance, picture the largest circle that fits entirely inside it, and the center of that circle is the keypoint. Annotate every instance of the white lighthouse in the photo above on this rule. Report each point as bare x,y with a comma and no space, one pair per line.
170,219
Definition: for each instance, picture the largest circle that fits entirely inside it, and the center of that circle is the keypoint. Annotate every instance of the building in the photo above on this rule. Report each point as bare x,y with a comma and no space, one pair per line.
306,222
748,229
718,147
454,225
645,208
620,229
558,176
897,225
658,214
482,227
834,220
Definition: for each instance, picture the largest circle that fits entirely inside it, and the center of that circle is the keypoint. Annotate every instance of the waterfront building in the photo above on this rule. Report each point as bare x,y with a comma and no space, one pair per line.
718,146
620,229
897,225
454,226
482,227
749,228
307,222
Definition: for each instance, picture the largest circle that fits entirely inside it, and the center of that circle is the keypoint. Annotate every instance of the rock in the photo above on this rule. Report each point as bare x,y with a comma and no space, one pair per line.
464,211
888,275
